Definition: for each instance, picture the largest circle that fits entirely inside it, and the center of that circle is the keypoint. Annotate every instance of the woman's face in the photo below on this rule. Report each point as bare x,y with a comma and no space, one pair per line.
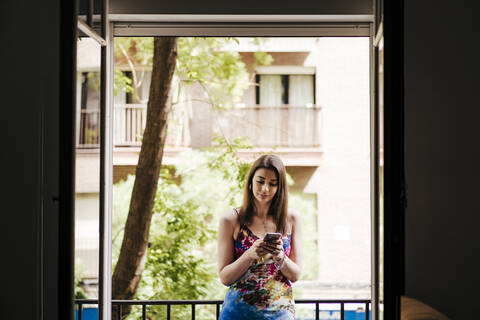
264,185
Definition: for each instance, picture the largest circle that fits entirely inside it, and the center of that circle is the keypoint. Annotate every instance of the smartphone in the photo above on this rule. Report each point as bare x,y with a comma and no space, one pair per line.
272,236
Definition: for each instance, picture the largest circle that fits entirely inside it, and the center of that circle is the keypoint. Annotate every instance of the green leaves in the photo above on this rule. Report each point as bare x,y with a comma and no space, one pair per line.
262,58
222,74
121,82
207,62
181,260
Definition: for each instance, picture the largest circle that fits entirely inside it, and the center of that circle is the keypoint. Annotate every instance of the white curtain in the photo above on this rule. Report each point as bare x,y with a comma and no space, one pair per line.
144,89
270,90
300,92
120,97
300,122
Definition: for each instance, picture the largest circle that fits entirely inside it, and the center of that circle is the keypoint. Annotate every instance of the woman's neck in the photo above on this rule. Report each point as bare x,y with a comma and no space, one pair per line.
261,210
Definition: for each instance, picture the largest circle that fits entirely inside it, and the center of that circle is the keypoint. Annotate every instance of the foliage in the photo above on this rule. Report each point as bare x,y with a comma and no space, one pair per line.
79,293
181,261
261,57
121,82
206,62
92,136
222,74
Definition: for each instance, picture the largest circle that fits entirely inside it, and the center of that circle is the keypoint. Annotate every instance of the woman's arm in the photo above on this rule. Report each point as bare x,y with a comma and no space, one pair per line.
228,269
292,265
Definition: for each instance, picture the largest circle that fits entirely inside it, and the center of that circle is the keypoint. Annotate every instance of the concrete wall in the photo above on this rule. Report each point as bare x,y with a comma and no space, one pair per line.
442,157
342,182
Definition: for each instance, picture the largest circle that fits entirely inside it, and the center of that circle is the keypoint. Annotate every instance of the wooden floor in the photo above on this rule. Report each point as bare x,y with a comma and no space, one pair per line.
413,309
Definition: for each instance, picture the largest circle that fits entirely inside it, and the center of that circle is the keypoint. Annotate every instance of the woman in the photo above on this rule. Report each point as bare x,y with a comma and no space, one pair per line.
259,273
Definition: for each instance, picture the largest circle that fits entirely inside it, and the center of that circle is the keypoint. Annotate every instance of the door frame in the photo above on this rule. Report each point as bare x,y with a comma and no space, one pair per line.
287,25
391,19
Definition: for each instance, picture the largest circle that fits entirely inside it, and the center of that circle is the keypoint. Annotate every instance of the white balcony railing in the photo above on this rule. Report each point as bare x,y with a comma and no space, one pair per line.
285,126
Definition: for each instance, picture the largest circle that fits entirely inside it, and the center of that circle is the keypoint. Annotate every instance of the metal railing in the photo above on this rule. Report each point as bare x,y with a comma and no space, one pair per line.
283,126
88,128
118,304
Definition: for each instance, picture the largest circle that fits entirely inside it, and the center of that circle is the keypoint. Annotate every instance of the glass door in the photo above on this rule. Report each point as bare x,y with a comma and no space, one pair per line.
87,174
93,163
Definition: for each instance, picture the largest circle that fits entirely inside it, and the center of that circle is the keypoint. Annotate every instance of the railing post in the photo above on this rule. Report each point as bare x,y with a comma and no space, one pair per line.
342,311
218,311
317,311
80,311
144,311
119,314
367,311
193,311
168,311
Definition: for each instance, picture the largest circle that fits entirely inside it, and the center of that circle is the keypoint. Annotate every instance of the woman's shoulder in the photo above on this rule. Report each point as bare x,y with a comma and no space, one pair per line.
293,218
231,216
229,221
293,215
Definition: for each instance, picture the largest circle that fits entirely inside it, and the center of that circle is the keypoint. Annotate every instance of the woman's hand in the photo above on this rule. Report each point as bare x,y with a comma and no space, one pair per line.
257,250
275,248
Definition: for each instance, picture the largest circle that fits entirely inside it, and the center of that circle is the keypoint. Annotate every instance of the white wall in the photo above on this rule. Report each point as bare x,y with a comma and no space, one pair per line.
342,182
87,206
442,117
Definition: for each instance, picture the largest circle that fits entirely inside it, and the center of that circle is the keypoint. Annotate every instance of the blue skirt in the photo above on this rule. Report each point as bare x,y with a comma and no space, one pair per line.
234,308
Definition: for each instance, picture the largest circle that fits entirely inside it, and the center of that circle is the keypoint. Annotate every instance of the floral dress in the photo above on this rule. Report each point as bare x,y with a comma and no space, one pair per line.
263,292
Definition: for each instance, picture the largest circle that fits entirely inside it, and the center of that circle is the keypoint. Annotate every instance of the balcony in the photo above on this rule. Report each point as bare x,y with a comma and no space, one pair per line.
295,132
129,123
275,127
317,313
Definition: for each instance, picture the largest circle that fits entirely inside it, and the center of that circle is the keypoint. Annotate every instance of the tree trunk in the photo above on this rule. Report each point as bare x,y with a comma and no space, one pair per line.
131,261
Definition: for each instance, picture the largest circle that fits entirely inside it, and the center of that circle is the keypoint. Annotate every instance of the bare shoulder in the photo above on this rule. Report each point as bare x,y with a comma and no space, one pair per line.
229,218
293,216
229,223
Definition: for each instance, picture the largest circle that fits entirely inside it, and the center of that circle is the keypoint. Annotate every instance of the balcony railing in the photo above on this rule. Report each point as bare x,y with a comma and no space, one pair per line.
283,126
118,304
129,122
267,127
88,126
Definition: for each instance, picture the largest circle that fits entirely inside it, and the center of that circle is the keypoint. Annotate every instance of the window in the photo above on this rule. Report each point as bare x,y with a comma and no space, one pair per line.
293,89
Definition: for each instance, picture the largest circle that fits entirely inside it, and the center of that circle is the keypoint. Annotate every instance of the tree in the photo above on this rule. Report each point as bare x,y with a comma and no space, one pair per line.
131,260
222,75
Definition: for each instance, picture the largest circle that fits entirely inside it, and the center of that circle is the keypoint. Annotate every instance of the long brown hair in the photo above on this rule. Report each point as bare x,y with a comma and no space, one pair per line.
279,206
